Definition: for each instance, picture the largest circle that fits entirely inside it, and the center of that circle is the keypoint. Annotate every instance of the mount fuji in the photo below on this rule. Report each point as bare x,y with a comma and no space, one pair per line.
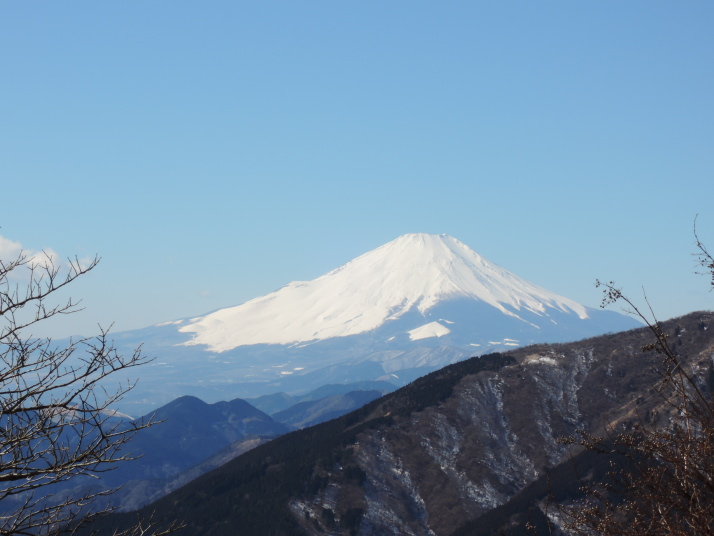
393,314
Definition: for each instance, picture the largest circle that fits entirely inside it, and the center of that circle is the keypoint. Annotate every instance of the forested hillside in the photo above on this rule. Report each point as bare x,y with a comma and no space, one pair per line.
444,451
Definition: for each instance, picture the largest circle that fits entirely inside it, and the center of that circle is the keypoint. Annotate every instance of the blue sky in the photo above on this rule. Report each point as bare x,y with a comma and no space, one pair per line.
211,152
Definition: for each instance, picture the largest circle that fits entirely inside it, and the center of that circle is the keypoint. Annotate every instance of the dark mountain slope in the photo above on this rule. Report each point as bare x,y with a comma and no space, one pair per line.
254,489
189,438
189,432
194,437
440,452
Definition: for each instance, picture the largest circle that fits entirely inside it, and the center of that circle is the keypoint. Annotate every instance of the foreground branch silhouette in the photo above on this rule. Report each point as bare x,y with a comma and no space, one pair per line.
667,484
56,418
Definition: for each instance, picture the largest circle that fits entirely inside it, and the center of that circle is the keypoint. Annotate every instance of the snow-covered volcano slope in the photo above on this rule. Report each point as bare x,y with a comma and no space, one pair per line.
415,272
400,311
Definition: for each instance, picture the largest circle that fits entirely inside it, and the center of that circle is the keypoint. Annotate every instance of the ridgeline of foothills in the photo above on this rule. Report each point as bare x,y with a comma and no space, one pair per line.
469,449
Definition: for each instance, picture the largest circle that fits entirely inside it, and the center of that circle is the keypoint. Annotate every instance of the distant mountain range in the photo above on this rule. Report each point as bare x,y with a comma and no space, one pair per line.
393,314
469,449
191,437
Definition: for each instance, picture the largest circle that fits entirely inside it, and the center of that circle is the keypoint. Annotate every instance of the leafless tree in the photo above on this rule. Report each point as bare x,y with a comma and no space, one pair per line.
56,418
704,258
667,484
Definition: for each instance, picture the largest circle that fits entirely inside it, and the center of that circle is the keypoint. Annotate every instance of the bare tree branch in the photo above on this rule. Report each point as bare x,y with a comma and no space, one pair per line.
704,258
56,418
667,485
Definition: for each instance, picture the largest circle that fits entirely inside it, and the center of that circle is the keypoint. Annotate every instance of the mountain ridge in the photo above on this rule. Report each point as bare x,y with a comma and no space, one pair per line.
435,456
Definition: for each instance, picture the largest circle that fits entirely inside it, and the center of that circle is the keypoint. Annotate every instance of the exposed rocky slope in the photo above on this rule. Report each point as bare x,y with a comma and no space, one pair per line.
441,452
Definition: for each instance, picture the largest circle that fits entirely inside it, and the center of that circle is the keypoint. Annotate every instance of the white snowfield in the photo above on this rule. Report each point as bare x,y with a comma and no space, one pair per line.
415,271
432,329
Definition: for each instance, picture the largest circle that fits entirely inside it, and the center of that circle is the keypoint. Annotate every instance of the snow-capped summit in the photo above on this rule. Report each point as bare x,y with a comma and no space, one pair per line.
393,314
414,272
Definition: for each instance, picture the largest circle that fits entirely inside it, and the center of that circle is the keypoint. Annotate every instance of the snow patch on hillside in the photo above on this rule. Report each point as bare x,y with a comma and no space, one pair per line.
432,329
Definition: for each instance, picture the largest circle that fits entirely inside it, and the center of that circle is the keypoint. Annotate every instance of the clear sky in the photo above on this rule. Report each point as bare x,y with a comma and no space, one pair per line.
211,152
